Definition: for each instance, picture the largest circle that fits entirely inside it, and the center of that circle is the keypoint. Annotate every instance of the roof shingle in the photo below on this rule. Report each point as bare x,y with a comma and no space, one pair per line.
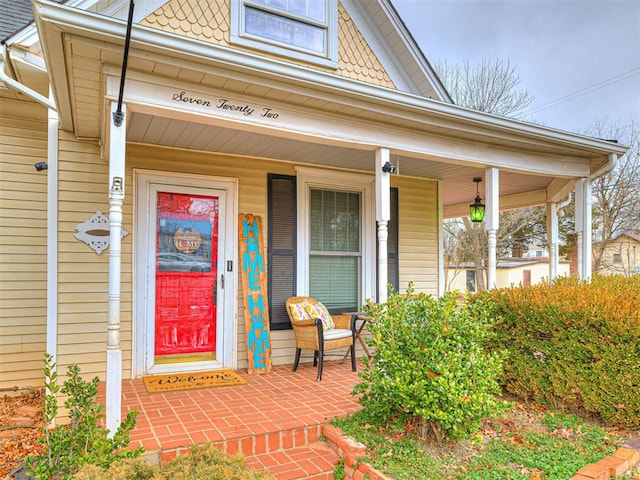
16,14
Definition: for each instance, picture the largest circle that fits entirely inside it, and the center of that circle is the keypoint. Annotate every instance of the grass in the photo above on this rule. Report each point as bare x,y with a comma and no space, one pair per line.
525,444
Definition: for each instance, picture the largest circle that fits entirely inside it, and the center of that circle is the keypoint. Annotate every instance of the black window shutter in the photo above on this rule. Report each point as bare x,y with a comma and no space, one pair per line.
393,270
281,247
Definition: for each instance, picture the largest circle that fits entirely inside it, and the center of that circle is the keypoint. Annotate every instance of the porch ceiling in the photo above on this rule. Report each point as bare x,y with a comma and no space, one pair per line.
458,187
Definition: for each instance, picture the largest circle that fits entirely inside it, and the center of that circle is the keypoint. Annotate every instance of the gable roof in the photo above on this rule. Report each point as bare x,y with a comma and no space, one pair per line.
397,46
632,236
16,15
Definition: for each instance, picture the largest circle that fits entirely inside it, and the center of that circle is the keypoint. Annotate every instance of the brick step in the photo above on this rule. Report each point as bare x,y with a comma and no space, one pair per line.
293,454
250,444
315,461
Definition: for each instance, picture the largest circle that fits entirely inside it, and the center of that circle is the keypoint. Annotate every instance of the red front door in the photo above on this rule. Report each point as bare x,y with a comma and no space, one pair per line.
186,264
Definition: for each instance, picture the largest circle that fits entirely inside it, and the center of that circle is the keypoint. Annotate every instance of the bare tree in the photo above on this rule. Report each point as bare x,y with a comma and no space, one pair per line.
490,86
465,242
616,195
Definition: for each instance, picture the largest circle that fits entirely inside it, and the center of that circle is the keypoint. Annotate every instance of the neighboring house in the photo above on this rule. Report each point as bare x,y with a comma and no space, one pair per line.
235,107
620,256
536,251
509,272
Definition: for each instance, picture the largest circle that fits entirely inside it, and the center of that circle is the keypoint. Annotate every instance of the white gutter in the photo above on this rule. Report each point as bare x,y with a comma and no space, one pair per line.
15,85
607,168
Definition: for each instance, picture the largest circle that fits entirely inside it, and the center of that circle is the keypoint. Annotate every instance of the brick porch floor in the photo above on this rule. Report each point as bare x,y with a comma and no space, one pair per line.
274,420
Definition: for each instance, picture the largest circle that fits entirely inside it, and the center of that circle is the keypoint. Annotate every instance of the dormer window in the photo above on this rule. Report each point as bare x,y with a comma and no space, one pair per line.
302,29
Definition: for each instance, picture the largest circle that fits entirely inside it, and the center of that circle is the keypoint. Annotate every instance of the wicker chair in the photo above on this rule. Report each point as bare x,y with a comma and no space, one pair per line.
310,334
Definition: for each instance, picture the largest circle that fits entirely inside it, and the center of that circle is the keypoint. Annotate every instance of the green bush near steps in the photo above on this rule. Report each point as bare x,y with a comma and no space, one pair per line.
572,345
83,440
430,367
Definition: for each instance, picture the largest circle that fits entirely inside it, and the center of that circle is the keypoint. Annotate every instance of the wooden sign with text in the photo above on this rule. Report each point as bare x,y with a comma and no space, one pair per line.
254,290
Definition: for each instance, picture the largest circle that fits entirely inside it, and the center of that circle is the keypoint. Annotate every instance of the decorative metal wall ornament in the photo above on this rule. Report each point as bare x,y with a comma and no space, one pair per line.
95,232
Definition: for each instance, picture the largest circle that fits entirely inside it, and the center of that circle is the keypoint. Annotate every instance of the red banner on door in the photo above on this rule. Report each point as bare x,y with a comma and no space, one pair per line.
254,289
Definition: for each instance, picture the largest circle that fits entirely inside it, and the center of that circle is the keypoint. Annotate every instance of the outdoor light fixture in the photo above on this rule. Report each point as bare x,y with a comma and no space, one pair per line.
388,167
477,207
40,166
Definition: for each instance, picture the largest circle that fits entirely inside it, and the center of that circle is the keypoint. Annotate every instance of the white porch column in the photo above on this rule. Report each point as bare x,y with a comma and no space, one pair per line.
582,226
383,214
552,239
117,139
491,219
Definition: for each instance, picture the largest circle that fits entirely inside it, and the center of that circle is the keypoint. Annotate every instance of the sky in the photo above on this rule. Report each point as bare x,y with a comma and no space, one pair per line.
580,59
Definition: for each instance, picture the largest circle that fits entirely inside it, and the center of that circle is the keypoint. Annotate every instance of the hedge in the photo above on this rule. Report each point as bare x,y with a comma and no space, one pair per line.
572,345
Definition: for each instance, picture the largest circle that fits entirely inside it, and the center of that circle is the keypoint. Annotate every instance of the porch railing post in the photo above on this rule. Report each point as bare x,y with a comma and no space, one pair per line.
383,214
117,141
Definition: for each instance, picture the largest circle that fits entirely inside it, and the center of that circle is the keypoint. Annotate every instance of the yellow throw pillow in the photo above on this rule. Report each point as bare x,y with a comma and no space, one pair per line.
320,311
299,311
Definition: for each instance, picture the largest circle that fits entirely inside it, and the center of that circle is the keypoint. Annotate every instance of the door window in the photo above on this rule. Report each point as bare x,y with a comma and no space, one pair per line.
186,263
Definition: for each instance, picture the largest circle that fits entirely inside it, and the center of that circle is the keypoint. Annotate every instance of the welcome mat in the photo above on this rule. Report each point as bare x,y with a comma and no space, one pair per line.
186,381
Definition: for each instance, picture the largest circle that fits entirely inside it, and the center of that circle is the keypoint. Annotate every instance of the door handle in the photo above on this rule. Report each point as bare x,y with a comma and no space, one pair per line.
222,281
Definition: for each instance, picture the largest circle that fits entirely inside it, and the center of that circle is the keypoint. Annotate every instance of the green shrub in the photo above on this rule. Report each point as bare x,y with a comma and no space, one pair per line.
429,365
83,440
573,345
204,462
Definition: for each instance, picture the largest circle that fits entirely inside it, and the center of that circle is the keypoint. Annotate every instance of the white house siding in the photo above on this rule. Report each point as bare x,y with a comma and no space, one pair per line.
23,242
83,274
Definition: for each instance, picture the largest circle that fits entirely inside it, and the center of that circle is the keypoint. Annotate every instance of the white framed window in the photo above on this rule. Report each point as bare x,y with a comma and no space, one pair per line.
336,238
306,30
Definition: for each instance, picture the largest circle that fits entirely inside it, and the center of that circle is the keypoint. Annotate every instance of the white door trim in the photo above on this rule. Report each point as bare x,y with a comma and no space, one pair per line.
144,273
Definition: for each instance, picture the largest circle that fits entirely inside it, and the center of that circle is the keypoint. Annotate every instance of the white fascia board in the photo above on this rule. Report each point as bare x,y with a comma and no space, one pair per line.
51,40
313,82
380,47
415,50
142,10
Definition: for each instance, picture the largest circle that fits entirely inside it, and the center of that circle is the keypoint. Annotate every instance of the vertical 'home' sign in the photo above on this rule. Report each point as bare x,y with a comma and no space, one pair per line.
254,289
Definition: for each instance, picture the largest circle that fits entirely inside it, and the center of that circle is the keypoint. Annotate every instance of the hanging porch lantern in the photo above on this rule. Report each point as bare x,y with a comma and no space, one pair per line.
477,207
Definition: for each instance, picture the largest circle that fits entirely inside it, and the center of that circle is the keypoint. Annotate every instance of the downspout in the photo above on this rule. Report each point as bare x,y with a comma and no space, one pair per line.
52,199
52,234
554,212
